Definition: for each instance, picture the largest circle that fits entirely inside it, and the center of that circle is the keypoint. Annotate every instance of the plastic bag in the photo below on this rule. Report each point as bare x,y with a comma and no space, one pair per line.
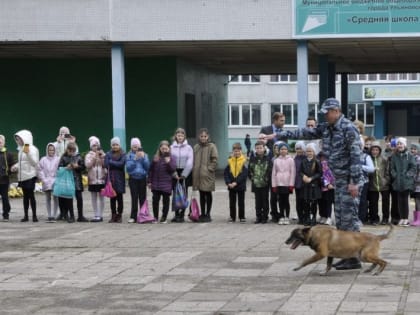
64,184
194,214
144,216
180,201
108,190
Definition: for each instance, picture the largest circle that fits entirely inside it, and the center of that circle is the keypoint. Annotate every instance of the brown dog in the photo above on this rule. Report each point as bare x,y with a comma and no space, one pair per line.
332,243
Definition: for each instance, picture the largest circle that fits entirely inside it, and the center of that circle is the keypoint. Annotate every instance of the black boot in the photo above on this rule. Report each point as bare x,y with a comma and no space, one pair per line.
34,217
181,215
175,219
25,217
80,217
113,218
349,264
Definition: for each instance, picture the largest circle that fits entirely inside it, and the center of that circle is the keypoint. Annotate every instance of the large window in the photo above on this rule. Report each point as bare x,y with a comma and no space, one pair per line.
289,110
244,115
283,78
361,111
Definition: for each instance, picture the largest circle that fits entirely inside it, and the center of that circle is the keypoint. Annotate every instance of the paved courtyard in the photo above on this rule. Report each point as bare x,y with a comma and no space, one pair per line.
190,268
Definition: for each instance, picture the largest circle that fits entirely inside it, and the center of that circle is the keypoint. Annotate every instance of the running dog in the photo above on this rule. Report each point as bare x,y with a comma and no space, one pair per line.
332,243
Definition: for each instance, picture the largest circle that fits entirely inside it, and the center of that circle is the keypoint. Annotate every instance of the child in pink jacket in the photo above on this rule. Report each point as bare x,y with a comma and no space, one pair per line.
47,168
282,181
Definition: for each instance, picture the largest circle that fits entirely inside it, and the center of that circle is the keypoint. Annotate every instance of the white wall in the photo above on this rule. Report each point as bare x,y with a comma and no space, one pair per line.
144,20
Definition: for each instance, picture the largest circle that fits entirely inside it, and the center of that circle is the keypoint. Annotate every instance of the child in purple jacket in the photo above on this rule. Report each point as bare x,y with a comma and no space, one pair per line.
161,172
327,188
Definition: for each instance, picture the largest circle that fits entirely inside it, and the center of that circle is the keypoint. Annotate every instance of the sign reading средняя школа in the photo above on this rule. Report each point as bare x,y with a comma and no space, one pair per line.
356,18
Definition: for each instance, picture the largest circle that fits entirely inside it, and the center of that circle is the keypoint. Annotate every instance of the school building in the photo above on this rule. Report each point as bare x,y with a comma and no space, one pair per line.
144,67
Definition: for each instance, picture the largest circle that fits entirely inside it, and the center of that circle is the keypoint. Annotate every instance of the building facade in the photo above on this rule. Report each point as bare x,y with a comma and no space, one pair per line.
254,98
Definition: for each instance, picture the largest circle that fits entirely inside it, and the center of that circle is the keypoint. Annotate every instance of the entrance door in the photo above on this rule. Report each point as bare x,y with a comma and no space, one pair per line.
397,121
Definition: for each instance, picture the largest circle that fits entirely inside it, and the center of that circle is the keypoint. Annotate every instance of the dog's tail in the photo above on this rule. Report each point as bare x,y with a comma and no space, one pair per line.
387,234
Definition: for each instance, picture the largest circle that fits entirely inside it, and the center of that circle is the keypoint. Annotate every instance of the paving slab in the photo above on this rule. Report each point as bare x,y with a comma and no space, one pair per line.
216,268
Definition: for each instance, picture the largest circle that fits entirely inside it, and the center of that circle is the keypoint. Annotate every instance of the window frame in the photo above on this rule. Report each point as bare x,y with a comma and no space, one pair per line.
251,107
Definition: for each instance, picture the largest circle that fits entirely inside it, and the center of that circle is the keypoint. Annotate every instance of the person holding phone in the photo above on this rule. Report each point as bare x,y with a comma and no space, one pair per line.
94,162
160,179
63,139
26,168
137,166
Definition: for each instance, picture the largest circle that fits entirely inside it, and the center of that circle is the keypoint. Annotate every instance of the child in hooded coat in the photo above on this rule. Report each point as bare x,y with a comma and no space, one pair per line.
47,169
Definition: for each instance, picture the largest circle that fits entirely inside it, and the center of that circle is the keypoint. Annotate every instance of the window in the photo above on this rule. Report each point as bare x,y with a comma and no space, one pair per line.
289,110
313,110
244,78
361,111
313,78
283,78
384,77
244,115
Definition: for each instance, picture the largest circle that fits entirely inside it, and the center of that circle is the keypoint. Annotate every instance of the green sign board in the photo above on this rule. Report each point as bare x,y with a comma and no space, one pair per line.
356,18
388,92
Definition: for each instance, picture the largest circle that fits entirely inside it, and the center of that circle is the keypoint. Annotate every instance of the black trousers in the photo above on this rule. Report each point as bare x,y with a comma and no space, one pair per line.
284,204
363,205
261,203
66,208
206,202
299,204
238,195
395,213
274,199
4,190
117,204
79,203
138,190
325,203
402,197
373,198
157,194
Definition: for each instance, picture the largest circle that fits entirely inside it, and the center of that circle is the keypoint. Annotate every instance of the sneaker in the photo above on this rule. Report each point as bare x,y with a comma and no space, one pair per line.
328,221
384,222
70,220
322,220
163,220
96,219
401,222
131,220
242,220
231,220
82,219
51,220
405,223
24,219
286,221
34,219
5,220
281,221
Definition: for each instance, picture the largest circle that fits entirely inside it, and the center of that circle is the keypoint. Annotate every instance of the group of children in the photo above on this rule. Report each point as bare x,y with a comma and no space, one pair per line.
307,173
172,163
394,174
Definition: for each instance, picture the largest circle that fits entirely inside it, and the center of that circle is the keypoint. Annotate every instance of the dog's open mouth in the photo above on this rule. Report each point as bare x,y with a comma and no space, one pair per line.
295,244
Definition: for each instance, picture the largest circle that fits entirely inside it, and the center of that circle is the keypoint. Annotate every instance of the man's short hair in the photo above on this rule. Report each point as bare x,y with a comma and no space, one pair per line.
277,115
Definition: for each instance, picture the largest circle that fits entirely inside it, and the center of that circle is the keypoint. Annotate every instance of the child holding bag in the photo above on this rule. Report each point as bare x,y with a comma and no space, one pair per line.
161,172
115,163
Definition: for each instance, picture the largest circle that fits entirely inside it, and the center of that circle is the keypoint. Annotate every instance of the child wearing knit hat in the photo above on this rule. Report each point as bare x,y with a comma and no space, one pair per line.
115,163
403,170
137,166
94,161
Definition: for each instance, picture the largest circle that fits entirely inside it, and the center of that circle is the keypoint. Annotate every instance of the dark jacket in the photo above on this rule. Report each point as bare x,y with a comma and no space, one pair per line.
298,164
403,171
313,169
77,172
240,179
257,163
115,162
6,162
161,174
